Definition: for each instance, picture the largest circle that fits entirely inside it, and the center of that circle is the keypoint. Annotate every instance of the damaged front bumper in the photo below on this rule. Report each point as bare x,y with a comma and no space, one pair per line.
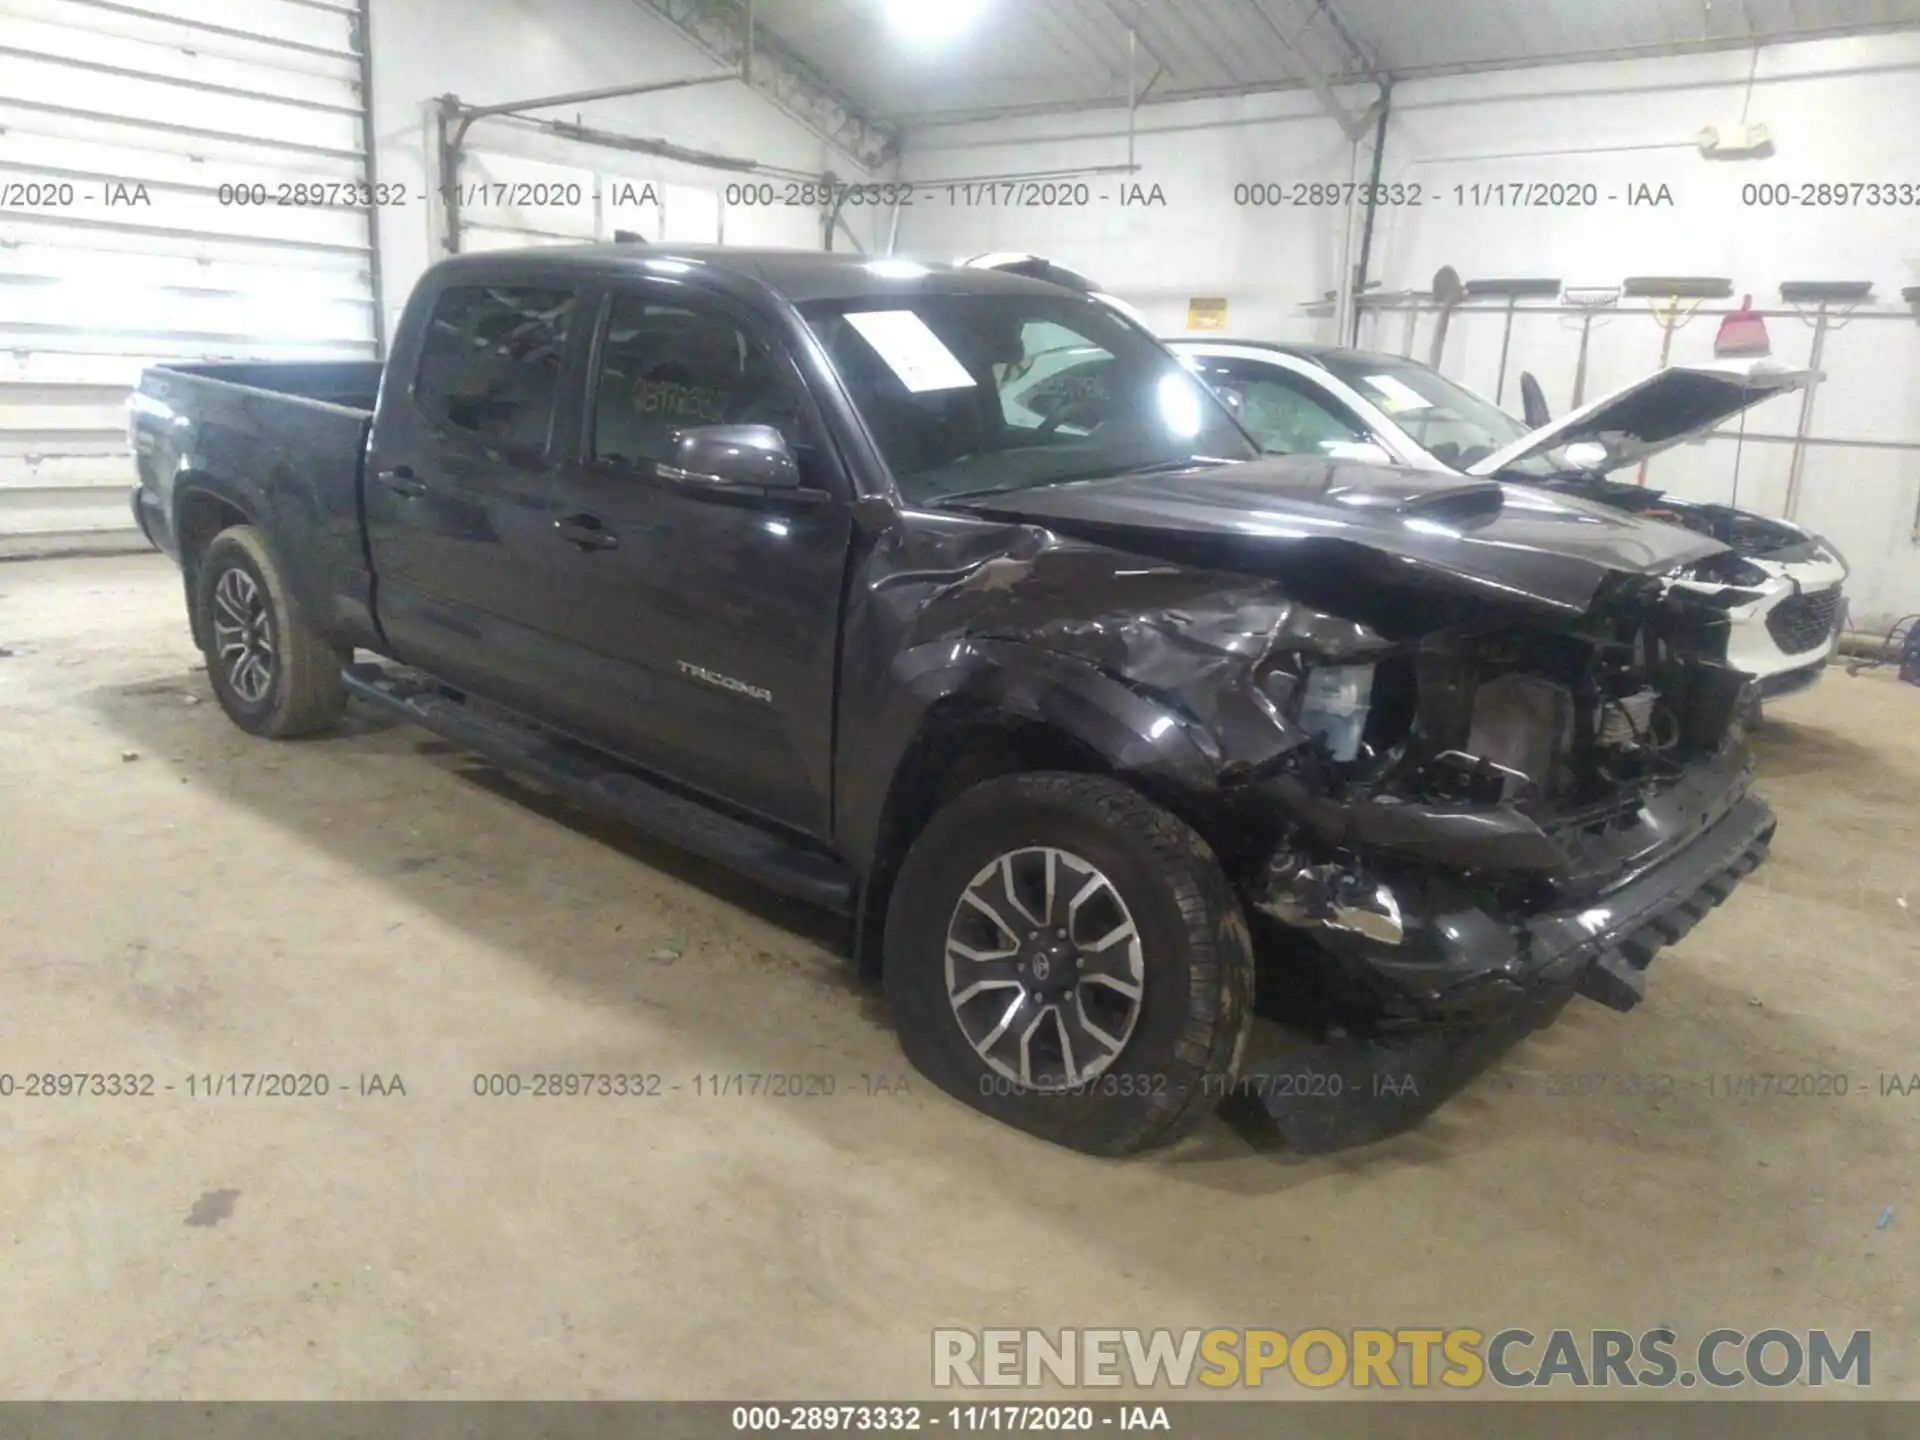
1486,986
1482,966
1431,948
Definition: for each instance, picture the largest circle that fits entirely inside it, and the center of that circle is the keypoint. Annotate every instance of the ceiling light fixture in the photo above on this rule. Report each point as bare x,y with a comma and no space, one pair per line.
931,21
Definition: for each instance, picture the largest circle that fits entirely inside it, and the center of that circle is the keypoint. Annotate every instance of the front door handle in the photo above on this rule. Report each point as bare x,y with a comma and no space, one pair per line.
586,531
401,481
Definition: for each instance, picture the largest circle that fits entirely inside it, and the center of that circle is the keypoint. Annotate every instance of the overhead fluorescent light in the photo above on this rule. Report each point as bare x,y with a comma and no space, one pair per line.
1735,142
932,21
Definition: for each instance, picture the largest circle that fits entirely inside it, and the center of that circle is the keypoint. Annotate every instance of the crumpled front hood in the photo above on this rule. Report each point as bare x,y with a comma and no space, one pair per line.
1397,527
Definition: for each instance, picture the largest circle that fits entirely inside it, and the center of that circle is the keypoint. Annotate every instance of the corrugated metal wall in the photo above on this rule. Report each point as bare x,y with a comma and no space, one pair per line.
179,179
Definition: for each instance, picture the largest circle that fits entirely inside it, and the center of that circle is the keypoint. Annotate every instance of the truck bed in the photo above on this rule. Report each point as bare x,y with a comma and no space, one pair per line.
281,443
350,384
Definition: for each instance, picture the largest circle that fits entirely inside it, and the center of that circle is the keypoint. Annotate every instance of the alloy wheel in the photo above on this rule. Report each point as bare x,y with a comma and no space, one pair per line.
1044,968
243,635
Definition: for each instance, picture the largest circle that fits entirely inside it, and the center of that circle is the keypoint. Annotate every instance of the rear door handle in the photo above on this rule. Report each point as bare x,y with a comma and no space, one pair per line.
400,480
586,532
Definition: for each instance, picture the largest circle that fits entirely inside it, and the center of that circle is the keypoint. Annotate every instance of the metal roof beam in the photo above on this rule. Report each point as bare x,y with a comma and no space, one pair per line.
1352,126
729,32
604,92
1363,60
1127,18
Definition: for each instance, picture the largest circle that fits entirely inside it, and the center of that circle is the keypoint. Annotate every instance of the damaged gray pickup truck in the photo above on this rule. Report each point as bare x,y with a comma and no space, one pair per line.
1101,725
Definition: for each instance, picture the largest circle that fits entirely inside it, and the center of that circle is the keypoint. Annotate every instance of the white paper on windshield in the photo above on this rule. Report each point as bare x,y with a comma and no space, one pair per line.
1396,396
911,350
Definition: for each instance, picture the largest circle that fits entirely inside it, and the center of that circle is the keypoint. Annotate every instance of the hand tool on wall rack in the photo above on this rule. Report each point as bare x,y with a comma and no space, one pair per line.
1823,296
1743,333
1589,300
1328,305
1368,294
1413,300
1514,292
1675,290
1376,303
1448,292
1533,401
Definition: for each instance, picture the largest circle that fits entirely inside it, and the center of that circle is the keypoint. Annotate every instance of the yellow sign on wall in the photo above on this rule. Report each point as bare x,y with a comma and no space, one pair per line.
1207,312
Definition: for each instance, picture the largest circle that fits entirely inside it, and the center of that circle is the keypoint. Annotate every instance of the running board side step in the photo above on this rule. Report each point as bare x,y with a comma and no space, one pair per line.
599,784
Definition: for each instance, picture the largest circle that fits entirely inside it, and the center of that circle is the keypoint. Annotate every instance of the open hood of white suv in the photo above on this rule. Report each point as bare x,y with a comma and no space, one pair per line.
1664,409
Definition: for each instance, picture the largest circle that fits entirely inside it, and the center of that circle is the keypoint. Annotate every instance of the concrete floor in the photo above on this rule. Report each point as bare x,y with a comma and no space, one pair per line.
377,902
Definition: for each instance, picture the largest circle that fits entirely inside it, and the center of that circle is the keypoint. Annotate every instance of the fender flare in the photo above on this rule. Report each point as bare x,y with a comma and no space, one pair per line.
190,481
269,513
187,484
1131,733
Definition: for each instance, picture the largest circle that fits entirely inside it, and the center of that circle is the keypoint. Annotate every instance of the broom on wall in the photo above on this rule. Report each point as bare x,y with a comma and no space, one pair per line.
1513,291
1448,292
1826,299
1589,300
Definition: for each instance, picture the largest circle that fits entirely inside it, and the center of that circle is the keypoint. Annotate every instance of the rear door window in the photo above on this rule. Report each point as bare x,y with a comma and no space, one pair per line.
491,359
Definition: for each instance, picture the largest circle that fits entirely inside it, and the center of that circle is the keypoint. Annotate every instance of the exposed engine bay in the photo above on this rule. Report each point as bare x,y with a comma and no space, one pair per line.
1742,531
1464,795
1532,716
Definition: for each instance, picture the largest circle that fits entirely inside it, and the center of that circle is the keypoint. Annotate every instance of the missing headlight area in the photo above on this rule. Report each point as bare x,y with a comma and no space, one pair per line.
1467,804
1563,718
1521,714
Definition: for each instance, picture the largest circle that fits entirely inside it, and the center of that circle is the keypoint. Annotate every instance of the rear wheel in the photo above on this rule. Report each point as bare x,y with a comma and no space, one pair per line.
1067,956
272,672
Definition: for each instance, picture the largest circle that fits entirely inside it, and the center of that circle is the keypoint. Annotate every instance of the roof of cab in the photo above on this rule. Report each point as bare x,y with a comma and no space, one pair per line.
798,275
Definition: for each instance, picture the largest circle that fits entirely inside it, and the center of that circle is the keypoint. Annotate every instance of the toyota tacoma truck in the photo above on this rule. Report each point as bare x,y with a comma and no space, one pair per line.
1090,718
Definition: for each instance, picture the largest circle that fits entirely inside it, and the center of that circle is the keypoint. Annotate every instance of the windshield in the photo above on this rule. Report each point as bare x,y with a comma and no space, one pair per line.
1448,421
983,393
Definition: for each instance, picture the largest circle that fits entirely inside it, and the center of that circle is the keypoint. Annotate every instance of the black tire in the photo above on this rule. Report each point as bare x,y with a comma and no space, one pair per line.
302,693
1182,1053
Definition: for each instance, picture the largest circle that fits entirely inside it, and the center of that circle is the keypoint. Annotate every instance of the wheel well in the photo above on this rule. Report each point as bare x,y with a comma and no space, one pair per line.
198,517
959,746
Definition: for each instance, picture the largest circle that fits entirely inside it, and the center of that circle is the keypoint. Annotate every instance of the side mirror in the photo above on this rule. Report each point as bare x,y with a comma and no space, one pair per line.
738,457
1533,401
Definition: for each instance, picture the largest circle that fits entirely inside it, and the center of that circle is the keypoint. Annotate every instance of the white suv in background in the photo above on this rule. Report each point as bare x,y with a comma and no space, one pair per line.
1783,593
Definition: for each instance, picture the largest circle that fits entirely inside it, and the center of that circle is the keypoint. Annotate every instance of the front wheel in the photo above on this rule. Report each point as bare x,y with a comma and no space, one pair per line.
272,672
1066,956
